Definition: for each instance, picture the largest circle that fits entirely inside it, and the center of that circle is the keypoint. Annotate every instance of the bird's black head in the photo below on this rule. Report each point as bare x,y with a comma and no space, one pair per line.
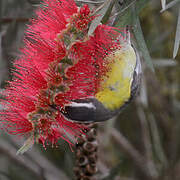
87,110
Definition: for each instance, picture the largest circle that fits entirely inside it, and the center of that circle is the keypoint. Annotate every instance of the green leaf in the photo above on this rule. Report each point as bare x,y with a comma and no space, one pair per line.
90,2
164,63
124,19
141,42
177,38
171,4
27,145
130,17
124,16
108,12
100,14
140,5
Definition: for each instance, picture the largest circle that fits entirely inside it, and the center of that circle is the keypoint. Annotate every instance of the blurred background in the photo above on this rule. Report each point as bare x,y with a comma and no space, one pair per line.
143,143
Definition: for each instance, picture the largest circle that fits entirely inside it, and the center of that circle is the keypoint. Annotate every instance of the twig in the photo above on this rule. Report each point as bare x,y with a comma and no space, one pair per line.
35,162
49,170
157,141
7,20
10,152
4,174
147,141
136,157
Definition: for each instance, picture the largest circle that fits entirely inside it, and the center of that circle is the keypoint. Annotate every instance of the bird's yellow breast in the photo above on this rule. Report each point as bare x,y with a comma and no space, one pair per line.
115,86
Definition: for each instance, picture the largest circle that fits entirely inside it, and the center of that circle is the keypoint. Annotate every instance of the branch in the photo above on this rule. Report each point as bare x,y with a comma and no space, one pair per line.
8,20
147,141
135,156
33,161
10,152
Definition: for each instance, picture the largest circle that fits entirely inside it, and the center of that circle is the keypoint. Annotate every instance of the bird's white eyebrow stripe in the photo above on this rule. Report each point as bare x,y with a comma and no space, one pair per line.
88,105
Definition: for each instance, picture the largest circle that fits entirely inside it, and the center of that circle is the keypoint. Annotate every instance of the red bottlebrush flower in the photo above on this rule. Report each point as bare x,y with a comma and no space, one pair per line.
59,63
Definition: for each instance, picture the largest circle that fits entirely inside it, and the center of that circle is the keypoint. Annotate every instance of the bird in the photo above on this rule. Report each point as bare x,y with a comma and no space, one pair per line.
118,87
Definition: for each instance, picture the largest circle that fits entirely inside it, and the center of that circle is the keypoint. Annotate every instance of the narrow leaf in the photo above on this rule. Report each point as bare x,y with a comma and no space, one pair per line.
171,4
164,63
158,148
27,145
177,38
124,16
140,5
141,42
100,15
124,19
90,2
108,13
